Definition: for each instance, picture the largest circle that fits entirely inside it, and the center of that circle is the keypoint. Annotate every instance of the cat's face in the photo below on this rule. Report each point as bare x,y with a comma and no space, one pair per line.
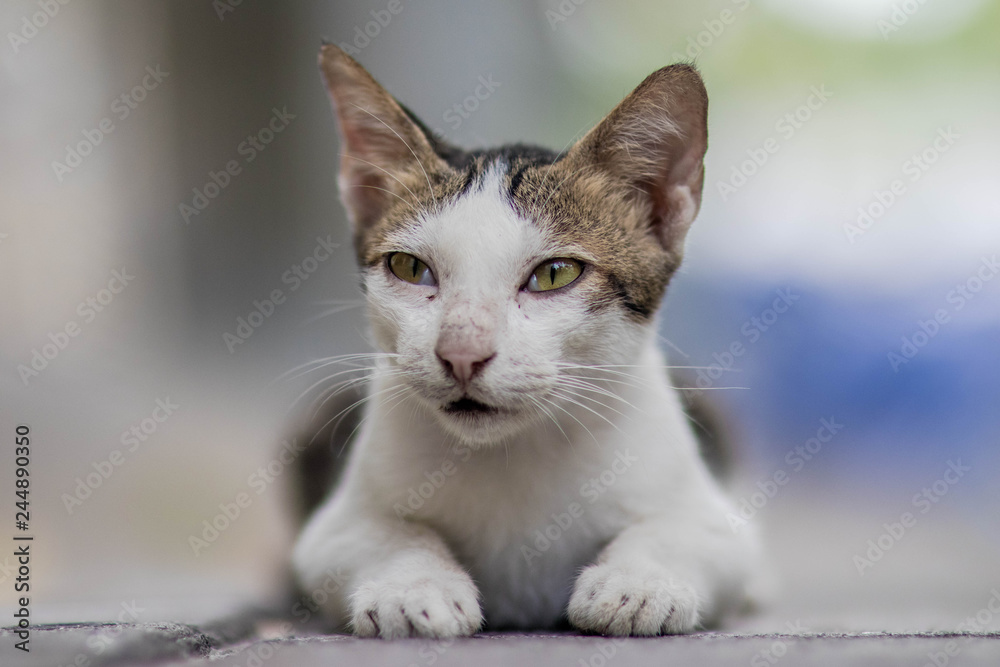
500,279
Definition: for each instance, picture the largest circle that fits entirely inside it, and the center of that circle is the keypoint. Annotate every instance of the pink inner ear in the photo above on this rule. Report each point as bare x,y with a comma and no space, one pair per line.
354,140
362,191
675,192
654,141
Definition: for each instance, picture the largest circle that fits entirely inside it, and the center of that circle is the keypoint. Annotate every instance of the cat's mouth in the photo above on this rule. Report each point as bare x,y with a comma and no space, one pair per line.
478,423
469,407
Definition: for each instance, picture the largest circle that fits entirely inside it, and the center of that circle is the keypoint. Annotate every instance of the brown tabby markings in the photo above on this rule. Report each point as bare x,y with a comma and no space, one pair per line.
580,199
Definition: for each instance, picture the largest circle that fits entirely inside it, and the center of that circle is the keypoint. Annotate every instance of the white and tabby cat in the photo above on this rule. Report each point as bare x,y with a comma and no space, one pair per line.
524,459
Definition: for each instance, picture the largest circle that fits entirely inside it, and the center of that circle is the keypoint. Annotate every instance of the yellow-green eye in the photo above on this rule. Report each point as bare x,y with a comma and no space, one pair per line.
407,267
553,274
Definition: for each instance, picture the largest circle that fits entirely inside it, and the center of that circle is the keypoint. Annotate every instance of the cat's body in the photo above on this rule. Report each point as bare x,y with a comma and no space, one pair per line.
523,457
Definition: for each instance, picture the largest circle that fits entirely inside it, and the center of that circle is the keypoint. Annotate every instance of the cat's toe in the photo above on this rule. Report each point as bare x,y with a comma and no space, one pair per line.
614,601
439,607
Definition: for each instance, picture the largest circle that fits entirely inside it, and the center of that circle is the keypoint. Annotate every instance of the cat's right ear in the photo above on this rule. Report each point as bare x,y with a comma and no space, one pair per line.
653,144
385,156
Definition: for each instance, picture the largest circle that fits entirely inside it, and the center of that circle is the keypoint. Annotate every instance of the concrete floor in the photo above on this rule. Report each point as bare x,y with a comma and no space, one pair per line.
912,607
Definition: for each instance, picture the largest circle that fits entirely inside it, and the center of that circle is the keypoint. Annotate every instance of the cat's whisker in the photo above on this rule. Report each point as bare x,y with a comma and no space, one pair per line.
569,399
584,397
557,188
324,380
323,396
672,345
706,388
419,163
636,380
402,392
375,187
329,302
332,359
610,369
416,199
572,416
548,413
361,401
340,417
591,380
559,155
584,385
333,311
665,366
330,393
323,362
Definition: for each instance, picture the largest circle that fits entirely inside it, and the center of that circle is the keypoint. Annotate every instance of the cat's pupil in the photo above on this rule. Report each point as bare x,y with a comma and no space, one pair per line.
413,267
552,274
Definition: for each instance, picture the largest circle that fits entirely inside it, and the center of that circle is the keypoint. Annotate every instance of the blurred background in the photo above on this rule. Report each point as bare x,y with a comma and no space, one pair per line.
166,166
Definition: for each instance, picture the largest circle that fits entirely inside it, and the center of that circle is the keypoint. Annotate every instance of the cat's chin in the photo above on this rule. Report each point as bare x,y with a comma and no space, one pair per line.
478,424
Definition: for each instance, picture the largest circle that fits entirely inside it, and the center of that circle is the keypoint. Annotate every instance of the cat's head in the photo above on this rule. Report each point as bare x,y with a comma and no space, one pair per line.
495,275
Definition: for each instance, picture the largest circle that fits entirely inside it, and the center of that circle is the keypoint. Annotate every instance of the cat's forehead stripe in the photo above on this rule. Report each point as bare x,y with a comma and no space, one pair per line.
567,208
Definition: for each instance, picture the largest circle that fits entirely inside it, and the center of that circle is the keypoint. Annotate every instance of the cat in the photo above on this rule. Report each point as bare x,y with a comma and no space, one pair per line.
523,460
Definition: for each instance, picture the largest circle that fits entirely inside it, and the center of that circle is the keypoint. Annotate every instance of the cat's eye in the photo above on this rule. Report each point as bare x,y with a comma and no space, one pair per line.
410,269
553,274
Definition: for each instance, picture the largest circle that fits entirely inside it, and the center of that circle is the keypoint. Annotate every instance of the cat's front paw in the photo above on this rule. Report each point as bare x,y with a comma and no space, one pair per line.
615,601
441,605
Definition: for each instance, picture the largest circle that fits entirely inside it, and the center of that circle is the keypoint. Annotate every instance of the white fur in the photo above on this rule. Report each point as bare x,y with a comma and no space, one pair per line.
434,514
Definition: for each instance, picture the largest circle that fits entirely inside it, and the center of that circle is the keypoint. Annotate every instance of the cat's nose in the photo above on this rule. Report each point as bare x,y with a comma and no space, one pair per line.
464,361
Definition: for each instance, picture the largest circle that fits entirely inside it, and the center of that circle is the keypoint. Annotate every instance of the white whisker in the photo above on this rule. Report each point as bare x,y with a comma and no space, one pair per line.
333,311
592,399
569,399
419,163
572,416
332,360
416,200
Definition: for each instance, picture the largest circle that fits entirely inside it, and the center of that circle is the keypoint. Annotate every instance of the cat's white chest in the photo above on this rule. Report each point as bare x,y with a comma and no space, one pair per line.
524,527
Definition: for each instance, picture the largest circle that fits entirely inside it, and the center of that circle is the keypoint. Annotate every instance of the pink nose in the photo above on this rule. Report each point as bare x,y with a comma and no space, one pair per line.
463,362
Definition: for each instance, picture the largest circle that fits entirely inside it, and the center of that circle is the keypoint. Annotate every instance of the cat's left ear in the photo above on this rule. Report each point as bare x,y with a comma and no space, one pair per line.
653,144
